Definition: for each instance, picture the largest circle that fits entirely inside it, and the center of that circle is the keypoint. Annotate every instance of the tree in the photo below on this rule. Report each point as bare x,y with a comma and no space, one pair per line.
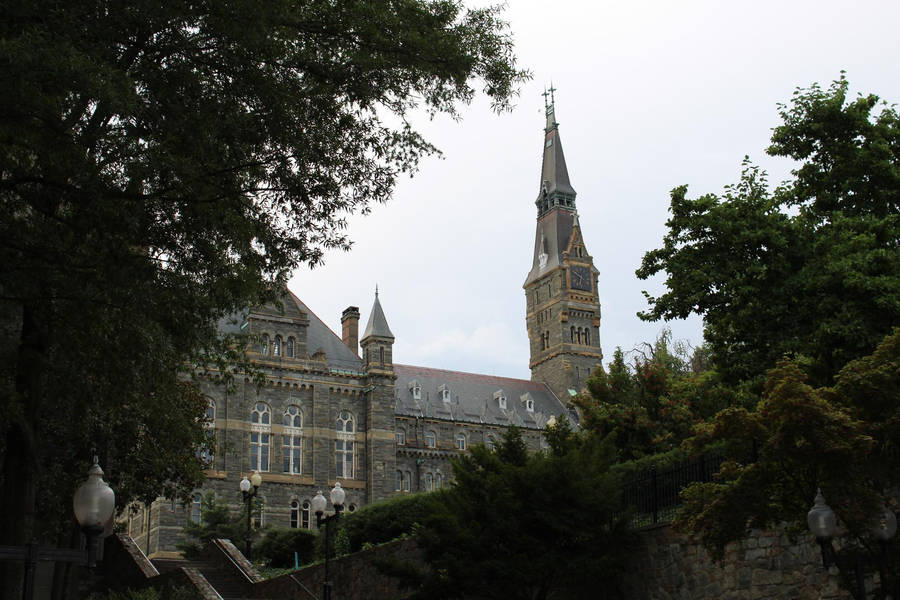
216,521
167,164
800,438
809,269
538,526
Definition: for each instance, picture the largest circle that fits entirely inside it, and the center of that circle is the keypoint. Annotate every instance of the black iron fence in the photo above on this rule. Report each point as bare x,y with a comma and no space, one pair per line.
654,494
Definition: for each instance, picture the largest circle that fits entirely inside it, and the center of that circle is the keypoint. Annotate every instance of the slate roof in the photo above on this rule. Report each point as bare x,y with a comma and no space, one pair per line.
320,337
554,230
472,397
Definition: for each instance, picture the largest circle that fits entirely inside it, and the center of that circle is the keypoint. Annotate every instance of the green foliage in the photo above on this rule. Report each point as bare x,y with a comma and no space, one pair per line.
217,521
799,438
277,547
546,527
809,269
652,407
384,521
165,165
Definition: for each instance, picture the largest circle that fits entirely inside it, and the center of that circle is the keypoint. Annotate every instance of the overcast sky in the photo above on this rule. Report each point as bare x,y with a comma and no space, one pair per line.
650,95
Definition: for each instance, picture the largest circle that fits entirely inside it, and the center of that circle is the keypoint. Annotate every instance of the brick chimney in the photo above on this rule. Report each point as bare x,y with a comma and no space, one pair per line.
350,328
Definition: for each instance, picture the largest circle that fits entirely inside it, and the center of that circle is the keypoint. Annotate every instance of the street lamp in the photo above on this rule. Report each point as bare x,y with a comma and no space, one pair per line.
823,523
254,482
318,505
93,503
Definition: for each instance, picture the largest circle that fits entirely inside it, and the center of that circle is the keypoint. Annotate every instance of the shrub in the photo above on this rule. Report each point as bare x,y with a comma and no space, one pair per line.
277,547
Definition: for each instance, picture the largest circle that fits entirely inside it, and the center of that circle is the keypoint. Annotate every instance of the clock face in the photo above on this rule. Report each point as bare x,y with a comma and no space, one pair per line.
580,278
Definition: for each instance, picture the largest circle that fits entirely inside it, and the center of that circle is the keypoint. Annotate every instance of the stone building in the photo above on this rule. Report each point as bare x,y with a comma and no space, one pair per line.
340,409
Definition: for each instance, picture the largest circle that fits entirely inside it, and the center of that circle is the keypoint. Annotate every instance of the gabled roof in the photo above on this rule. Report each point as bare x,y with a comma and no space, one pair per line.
320,337
472,398
377,325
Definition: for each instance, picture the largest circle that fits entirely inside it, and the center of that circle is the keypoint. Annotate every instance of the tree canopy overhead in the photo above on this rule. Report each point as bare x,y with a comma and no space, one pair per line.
164,164
810,269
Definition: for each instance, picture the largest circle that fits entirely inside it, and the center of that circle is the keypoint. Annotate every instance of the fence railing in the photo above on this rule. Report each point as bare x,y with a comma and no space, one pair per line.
655,494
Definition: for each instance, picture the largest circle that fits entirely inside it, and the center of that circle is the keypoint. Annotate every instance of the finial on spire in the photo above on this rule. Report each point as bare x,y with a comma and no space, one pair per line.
552,89
545,94
376,291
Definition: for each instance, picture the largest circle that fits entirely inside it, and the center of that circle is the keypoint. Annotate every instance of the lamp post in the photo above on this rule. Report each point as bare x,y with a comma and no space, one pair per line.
93,503
249,494
318,505
822,523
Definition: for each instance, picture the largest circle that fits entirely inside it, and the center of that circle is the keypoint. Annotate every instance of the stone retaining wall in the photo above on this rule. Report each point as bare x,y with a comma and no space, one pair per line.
765,566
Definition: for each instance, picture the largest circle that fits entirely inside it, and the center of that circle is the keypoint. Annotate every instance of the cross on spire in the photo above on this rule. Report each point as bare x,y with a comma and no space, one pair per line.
552,89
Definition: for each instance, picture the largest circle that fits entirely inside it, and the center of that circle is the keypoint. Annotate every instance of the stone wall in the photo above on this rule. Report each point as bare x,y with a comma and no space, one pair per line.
767,565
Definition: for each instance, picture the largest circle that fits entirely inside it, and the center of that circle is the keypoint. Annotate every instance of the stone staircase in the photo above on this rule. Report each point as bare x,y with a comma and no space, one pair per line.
228,586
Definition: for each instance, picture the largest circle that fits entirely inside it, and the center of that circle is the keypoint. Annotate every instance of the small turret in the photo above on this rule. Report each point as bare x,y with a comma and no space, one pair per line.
377,341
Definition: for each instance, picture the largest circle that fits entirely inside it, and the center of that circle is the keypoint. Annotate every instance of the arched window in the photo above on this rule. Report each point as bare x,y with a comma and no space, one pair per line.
438,481
429,482
406,481
344,445
260,421
276,347
578,335
304,515
587,337
292,441
430,439
295,514
572,334
460,441
399,484
264,345
289,348
196,508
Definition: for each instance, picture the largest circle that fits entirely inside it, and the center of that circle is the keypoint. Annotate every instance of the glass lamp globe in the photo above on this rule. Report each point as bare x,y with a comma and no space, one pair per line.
94,501
256,479
885,526
245,485
318,503
338,494
821,519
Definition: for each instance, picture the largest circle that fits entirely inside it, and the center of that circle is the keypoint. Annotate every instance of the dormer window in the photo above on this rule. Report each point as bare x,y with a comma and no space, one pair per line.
528,401
444,392
416,389
500,397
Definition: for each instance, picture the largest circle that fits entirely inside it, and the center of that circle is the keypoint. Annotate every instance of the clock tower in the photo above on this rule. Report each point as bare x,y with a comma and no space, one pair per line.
561,298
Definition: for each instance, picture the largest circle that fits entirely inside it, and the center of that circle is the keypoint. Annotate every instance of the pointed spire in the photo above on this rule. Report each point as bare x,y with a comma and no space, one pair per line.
377,325
555,189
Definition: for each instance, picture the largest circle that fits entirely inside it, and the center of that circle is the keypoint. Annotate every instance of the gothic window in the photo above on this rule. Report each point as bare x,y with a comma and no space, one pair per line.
292,453
429,482
406,481
264,346
401,437
587,337
572,334
430,439
260,420
344,445
293,417
289,348
438,481
304,515
295,514
460,441
276,347
399,486
578,334
196,508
